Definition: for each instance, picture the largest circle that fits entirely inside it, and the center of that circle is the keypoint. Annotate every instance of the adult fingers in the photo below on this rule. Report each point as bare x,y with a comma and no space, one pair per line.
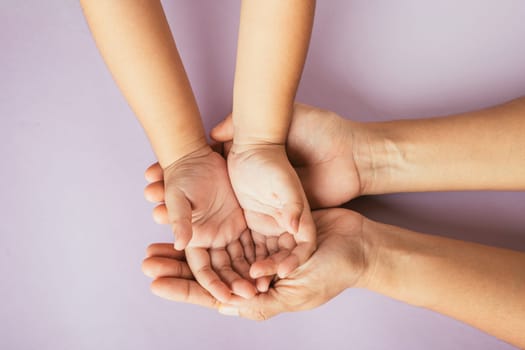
223,131
154,173
160,215
200,263
263,247
156,267
183,290
259,308
154,192
164,250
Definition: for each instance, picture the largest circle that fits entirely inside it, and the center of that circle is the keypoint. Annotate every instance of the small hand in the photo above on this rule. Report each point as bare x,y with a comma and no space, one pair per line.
321,147
274,204
208,222
213,251
339,262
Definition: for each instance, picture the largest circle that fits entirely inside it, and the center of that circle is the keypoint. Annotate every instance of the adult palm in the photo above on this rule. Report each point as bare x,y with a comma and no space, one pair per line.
341,249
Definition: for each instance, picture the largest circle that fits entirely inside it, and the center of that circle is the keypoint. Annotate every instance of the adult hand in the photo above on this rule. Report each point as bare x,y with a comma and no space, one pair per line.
339,262
322,148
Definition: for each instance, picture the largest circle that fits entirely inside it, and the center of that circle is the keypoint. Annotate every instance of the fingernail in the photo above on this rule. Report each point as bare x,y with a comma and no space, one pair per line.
229,310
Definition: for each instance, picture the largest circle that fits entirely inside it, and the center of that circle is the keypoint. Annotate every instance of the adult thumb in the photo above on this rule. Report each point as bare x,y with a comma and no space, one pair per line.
223,132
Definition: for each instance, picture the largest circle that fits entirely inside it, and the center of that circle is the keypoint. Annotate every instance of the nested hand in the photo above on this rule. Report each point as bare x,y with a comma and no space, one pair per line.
321,147
221,248
207,221
270,193
339,262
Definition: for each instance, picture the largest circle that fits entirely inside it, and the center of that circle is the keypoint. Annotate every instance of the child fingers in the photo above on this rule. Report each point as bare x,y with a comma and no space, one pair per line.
239,263
179,215
222,265
263,283
297,257
292,216
248,246
268,266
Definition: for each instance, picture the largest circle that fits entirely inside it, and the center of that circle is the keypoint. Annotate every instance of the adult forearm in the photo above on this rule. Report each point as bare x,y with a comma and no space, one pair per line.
479,285
273,41
135,40
482,150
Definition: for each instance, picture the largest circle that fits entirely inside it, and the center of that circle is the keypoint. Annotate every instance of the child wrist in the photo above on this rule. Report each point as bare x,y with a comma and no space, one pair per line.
258,146
195,148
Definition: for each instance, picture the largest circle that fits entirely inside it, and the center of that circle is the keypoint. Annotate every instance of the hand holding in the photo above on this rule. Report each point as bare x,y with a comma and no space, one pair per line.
323,148
211,248
274,203
207,221
340,262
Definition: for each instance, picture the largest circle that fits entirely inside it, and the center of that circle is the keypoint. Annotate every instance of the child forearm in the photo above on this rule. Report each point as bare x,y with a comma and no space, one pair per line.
135,40
273,41
480,285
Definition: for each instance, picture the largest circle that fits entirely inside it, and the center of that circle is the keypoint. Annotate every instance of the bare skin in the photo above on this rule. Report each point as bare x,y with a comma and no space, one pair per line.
477,284
135,41
273,41
480,285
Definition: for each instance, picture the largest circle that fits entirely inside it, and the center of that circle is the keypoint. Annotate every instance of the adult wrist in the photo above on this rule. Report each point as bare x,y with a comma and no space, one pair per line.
378,157
397,263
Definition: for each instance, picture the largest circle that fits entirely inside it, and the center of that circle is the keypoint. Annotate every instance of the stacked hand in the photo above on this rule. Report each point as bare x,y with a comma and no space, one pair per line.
320,147
209,224
338,263
201,201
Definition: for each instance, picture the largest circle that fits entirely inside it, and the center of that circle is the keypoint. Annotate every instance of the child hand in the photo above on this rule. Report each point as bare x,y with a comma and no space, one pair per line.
270,193
221,248
207,221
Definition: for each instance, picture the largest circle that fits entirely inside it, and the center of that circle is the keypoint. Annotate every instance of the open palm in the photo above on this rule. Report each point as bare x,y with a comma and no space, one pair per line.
196,197
340,248
207,222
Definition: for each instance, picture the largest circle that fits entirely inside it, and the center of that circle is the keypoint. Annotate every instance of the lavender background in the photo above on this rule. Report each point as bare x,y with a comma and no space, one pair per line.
74,225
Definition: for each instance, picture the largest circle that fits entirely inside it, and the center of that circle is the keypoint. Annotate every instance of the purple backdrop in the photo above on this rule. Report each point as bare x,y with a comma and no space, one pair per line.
75,226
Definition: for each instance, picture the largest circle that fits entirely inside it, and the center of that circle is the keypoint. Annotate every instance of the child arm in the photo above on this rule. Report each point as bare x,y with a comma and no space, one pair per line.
136,43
